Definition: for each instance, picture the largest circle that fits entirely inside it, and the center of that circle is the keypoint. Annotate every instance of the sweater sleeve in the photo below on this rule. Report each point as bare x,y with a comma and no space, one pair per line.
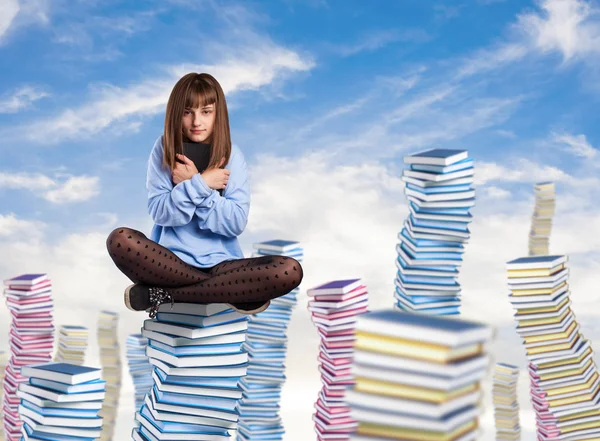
228,214
168,205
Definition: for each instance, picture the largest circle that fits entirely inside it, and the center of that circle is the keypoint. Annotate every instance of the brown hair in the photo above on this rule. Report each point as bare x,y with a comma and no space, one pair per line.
195,90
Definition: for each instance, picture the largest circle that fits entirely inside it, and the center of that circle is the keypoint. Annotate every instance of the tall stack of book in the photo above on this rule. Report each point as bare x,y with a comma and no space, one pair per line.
335,307
3,360
541,220
110,360
197,358
506,404
417,377
31,338
140,368
61,402
266,345
72,343
564,377
438,186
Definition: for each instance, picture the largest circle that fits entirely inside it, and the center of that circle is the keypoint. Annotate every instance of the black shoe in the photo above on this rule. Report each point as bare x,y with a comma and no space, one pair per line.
140,297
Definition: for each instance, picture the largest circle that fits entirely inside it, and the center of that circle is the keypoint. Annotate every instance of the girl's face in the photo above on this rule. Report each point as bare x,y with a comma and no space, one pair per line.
198,123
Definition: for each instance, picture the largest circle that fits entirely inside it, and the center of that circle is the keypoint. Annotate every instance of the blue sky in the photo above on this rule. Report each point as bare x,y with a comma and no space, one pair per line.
325,99
98,69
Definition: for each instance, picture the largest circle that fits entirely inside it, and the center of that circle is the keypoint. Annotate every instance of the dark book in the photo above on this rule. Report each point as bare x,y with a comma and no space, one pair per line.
199,153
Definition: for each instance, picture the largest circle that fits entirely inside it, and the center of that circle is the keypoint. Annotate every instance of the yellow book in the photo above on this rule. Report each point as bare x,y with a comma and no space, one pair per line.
567,372
550,337
576,416
551,348
544,321
575,388
538,291
581,426
414,349
566,361
535,272
544,309
573,400
402,433
377,387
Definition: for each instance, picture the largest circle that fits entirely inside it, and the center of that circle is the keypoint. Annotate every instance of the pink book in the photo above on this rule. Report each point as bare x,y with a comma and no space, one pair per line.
342,314
362,289
26,301
335,361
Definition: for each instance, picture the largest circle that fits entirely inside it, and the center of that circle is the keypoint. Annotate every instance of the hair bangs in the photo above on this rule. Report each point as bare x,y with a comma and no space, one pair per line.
200,94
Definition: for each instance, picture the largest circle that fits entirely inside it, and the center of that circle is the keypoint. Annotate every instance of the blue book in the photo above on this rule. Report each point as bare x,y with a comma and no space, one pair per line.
62,372
423,280
196,401
36,434
425,328
430,256
172,427
464,211
220,382
26,279
90,386
334,287
233,348
457,166
440,225
536,262
277,245
440,189
426,243
442,311
443,157
423,300
60,412
221,318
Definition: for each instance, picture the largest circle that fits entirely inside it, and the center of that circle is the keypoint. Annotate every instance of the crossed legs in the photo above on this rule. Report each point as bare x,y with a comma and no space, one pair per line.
254,279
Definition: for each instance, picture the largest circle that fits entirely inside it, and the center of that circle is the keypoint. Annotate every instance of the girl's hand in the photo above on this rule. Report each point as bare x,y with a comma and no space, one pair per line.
216,178
183,171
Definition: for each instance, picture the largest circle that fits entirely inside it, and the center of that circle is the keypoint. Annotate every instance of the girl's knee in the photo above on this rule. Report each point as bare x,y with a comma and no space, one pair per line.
119,236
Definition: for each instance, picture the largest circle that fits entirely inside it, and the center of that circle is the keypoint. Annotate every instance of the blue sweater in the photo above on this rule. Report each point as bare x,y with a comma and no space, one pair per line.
194,221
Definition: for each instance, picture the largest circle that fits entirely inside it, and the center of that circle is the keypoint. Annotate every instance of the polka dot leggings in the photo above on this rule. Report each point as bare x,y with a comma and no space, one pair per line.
254,279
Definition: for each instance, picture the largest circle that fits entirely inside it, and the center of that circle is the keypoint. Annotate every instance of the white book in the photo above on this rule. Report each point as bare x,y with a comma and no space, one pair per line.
60,397
197,361
206,371
194,332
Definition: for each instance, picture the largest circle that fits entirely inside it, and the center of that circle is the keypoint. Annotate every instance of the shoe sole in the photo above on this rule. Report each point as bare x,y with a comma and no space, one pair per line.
127,299
253,311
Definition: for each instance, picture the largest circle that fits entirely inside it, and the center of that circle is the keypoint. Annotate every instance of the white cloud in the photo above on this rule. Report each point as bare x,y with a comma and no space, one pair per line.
570,27
18,13
21,99
248,68
578,145
75,189
11,226
518,170
8,11
72,189
377,39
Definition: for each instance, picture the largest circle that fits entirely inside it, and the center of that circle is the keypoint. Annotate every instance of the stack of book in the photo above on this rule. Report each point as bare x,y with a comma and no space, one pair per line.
417,377
266,346
61,402
438,186
31,338
197,358
506,404
72,343
335,307
564,377
541,220
140,368
110,360
3,360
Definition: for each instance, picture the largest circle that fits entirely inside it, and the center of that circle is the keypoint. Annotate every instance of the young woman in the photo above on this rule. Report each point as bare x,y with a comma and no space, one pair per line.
199,199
